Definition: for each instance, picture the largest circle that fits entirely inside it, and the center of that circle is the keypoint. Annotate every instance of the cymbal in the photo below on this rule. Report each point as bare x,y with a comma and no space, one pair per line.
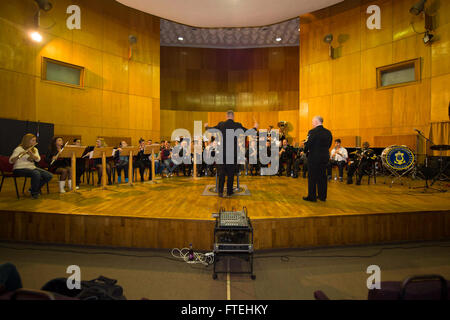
441,147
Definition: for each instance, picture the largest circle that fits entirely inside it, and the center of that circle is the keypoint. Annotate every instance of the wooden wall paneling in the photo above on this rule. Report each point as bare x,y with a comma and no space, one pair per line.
440,98
238,79
396,111
440,49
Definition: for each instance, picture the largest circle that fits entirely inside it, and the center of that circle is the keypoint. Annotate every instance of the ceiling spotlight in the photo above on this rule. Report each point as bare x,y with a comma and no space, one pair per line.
36,36
418,7
278,39
44,5
180,38
428,37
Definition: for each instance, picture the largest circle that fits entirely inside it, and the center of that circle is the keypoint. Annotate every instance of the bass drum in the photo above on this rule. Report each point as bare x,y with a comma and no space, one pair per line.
397,158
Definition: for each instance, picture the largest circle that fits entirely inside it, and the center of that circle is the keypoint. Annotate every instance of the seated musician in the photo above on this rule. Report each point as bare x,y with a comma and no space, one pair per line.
121,162
142,160
100,143
269,153
252,153
338,157
157,156
185,167
286,154
23,158
300,159
60,166
362,164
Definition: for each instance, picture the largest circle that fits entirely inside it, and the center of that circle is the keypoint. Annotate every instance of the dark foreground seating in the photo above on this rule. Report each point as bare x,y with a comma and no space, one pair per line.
425,287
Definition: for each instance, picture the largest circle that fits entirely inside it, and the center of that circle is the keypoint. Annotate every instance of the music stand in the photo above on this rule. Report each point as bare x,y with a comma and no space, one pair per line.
151,149
197,151
72,152
130,152
101,153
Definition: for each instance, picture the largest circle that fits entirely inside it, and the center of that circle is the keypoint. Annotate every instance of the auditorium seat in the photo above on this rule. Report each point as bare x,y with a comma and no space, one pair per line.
29,294
424,287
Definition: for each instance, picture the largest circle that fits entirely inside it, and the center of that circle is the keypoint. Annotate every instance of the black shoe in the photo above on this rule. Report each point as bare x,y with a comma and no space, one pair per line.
323,200
309,199
349,181
220,195
358,183
329,178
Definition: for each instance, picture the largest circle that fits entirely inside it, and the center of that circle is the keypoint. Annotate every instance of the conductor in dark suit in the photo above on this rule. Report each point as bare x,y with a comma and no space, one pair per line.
228,169
317,146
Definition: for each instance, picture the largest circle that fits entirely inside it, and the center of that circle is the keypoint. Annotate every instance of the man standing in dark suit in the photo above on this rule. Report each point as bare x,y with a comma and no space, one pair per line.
228,168
318,145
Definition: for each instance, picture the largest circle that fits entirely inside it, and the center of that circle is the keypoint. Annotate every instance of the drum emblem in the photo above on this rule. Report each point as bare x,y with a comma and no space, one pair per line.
399,158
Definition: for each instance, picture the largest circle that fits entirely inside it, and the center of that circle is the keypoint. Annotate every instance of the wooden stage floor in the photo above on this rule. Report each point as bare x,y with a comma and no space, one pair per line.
173,213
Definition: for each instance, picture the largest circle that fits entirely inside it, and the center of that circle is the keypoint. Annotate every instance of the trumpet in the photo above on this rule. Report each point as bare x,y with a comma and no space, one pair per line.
53,161
23,153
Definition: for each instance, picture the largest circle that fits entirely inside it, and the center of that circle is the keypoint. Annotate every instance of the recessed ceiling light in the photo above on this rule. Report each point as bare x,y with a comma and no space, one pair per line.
278,39
180,38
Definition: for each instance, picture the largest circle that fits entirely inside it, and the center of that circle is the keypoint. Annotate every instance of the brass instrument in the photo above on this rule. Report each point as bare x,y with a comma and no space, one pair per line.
53,161
23,153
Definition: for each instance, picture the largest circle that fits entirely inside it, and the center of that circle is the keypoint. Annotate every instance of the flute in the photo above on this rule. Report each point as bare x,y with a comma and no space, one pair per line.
51,163
26,151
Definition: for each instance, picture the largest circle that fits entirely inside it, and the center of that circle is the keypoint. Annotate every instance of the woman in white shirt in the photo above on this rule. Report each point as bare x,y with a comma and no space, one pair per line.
24,158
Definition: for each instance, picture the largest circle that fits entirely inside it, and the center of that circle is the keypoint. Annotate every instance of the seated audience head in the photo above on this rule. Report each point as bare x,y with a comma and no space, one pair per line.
123,144
366,145
77,142
230,115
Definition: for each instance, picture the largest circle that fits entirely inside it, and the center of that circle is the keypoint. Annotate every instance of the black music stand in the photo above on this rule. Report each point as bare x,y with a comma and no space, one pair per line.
442,168
427,171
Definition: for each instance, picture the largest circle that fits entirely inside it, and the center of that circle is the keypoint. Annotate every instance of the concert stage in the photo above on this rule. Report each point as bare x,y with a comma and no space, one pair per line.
173,213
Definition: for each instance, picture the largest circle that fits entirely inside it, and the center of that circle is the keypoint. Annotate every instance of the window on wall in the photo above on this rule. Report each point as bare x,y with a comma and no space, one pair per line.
62,73
398,74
